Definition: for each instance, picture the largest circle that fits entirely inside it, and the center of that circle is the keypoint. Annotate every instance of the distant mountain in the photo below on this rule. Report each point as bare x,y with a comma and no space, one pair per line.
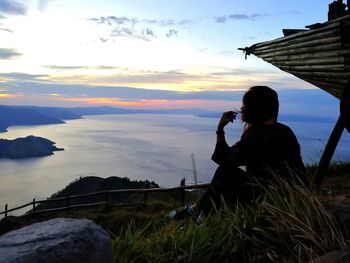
10,116
32,115
30,146
81,111
58,113
305,118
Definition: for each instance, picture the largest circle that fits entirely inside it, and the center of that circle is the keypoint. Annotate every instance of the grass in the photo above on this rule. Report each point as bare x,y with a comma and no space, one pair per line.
111,218
288,224
338,181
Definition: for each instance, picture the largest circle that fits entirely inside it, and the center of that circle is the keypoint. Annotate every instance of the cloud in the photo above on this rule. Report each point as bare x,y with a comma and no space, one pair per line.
8,53
43,4
143,29
124,27
27,89
224,19
145,34
6,30
12,7
25,85
218,78
168,22
67,68
104,67
172,33
148,32
55,67
113,20
20,77
104,40
129,76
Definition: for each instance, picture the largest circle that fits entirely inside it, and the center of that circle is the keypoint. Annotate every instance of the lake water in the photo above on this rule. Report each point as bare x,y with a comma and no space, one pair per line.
153,147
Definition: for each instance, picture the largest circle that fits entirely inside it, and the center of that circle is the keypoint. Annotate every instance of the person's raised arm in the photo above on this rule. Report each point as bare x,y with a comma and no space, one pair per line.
226,117
222,149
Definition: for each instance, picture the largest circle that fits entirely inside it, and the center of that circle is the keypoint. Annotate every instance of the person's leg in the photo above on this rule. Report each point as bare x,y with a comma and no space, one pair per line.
228,184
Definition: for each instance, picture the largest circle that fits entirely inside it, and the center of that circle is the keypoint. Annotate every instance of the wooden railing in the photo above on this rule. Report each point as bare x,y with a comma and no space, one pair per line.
107,196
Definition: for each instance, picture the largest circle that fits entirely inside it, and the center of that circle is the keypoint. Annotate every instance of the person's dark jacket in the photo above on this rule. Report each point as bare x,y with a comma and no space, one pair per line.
264,149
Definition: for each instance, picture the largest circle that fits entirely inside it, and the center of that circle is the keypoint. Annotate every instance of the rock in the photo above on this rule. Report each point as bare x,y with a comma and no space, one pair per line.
340,256
57,240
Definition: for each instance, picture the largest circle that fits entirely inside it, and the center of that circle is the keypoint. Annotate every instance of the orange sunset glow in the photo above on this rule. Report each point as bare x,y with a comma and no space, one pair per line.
7,96
154,104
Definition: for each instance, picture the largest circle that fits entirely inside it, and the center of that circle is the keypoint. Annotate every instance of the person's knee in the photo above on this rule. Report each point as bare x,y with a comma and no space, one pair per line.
227,176
221,173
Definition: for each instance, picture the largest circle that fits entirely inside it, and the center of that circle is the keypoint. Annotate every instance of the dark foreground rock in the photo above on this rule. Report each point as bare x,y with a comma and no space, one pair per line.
55,241
30,146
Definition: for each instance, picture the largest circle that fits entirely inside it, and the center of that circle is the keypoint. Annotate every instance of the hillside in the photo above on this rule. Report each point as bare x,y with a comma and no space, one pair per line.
10,116
91,184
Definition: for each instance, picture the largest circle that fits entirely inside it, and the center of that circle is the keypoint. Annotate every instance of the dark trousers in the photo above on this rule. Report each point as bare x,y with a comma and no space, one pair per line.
229,184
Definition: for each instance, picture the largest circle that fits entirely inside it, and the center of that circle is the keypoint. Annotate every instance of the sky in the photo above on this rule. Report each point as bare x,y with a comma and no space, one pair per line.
146,54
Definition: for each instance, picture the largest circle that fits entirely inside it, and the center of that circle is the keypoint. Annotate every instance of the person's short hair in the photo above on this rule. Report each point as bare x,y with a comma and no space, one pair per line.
260,104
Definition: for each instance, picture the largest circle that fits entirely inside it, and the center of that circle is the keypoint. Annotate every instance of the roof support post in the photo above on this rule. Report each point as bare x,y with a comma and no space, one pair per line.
328,152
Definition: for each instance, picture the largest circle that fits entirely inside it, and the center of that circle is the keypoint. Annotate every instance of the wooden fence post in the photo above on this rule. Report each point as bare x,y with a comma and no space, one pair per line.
146,193
109,198
145,197
67,202
182,191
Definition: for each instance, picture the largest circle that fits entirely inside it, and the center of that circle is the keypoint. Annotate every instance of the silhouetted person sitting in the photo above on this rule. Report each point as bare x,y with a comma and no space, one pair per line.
267,148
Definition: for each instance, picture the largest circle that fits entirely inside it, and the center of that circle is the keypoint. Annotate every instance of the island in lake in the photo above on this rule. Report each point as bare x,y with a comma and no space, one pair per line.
30,146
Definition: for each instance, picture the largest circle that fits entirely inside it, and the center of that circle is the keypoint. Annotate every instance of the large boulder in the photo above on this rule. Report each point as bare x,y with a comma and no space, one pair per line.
57,240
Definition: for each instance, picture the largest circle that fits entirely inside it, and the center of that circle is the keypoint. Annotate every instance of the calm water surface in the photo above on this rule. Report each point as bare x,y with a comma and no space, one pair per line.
153,147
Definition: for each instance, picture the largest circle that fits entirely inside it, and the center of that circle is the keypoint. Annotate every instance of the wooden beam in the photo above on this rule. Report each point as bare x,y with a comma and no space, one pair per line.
307,34
345,106
328,152
300,44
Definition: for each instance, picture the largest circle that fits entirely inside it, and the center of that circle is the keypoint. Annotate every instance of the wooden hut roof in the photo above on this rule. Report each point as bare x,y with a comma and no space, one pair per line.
319,55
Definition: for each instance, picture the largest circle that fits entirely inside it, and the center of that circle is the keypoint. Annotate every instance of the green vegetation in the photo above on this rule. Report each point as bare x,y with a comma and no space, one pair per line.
338,180
288,224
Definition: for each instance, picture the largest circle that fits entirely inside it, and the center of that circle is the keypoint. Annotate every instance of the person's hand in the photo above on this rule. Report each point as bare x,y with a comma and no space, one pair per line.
226,117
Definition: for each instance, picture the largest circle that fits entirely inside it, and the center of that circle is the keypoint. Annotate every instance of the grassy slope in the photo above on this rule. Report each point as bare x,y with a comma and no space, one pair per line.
291,233
338,181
